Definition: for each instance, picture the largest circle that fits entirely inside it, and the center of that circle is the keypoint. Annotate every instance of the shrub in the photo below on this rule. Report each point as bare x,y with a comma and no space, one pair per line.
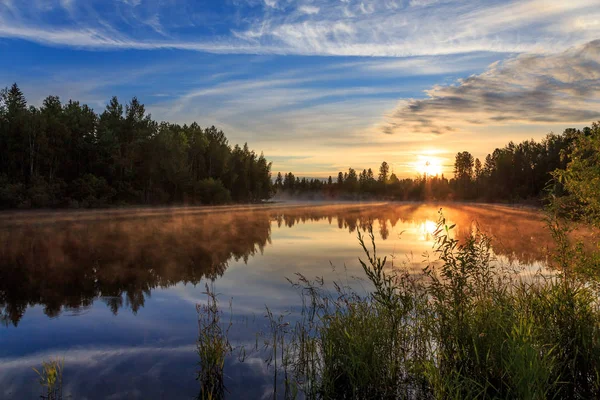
42,193
211,191
91,191
11,194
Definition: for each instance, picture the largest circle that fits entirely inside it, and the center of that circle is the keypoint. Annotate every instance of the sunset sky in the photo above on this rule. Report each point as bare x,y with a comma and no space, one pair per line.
320,86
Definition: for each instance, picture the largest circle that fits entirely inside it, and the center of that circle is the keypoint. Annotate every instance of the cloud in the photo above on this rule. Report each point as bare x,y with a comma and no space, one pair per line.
330,102
526,89
310,10
286,106
427,65
67,4
422,3
100,39
366,8
386,28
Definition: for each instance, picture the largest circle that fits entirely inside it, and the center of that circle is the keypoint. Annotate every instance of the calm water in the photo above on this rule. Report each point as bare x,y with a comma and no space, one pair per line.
113,293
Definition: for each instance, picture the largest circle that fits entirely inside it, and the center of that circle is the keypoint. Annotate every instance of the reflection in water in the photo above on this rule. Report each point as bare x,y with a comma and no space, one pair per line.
518,234
69,264
427,229
95,265
66,261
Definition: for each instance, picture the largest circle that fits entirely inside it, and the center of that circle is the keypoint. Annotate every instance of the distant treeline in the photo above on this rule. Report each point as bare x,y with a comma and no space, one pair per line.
514,173
66,155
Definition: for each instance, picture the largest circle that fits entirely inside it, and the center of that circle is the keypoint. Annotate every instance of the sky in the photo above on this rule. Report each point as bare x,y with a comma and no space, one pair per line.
320,86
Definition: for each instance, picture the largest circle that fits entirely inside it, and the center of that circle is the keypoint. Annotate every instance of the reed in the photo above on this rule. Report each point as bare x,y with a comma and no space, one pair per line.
467,327
51,379
213,347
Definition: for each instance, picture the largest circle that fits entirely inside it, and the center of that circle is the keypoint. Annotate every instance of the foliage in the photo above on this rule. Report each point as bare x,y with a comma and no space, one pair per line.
213,347
581,177
210,191
467,328
516,172
463,172
51,379
67,155
91,191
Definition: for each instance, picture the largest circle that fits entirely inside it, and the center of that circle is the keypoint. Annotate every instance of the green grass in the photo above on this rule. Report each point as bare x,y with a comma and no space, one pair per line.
465,328
51,379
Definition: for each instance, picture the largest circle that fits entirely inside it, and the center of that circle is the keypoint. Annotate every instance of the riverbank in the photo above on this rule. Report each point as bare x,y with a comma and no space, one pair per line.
465,328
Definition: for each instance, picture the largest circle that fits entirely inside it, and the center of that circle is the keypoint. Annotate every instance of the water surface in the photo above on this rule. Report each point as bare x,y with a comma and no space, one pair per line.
113,293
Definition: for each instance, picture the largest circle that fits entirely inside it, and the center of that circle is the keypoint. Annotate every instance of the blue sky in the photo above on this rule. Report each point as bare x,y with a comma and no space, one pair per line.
321,85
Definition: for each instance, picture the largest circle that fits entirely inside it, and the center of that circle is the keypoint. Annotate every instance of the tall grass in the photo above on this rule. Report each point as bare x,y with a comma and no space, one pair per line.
466,328
50,377
213,347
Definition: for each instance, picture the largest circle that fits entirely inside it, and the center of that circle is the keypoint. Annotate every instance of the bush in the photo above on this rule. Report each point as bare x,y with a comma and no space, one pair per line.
91,191
42,193
11,194
581,178
210,191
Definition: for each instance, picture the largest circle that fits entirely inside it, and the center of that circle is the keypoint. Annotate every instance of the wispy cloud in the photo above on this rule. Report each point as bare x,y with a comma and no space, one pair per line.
388,28
529,89
67,4
427,65
338,28
293,106
310,10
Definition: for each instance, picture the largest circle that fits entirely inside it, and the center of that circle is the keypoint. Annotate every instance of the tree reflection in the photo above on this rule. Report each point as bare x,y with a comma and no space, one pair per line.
67,261
519,234
70,264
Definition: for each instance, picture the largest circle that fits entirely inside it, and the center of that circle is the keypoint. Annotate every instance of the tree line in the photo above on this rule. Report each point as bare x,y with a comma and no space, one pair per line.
66,155
516,172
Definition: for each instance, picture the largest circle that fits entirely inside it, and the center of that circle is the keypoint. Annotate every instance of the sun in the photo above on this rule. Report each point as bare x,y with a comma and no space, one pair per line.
429,165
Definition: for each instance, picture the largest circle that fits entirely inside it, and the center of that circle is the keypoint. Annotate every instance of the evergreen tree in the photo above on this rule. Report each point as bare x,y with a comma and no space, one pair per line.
384,170
61,155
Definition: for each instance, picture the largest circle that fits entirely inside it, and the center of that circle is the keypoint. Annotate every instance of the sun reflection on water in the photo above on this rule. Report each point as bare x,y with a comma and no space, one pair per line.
426,229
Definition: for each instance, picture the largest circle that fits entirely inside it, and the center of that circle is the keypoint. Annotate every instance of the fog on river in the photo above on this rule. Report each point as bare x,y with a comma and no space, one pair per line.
113,292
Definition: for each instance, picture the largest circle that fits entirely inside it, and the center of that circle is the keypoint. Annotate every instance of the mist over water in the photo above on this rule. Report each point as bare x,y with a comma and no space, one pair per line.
114,292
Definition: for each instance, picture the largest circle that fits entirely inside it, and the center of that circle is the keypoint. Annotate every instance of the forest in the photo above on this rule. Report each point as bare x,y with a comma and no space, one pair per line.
514,173
66,155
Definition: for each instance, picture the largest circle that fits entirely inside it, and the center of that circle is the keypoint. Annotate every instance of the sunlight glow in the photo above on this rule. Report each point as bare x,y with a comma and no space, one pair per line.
427,229
429,165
